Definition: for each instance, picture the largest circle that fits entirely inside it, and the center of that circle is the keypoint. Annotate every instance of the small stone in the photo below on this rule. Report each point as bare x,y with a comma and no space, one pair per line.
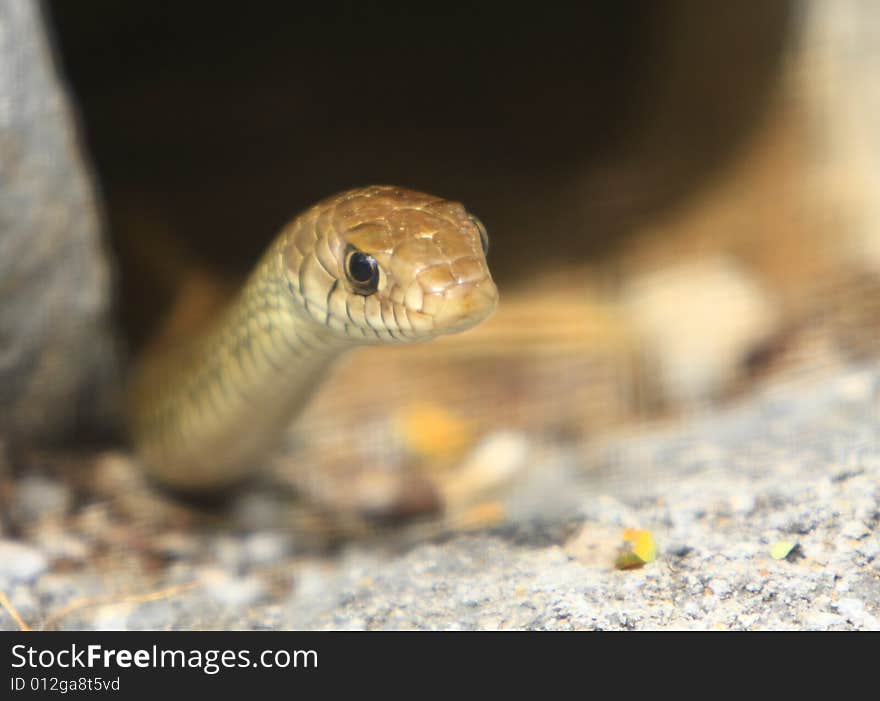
742,503
692,610
672,310
822,620
58,546
254,510
38,497
720,587
747,620
856,386
854,529
20,562
112,617
266,547
679,550
313,580
595,545
870,548
232,591
176,545
854,612
494,462
228,551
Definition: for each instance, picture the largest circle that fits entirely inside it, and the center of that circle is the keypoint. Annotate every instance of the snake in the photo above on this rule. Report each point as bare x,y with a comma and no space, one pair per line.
373,265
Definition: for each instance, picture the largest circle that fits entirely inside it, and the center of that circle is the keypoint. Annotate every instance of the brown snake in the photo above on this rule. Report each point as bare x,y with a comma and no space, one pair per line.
373,265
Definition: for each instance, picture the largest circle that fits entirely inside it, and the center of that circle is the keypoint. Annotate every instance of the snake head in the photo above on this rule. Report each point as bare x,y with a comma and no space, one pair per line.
384,264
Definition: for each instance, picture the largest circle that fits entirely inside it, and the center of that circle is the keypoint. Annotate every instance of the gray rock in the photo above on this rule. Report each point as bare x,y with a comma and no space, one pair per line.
715,492
37,497
230,590
58,358
20,562
854,611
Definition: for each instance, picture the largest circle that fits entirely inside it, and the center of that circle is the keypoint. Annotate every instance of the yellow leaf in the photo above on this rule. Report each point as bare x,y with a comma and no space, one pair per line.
781,549
639,549
431,431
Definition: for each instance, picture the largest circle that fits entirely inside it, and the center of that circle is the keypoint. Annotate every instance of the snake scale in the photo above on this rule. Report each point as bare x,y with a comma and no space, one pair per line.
373,265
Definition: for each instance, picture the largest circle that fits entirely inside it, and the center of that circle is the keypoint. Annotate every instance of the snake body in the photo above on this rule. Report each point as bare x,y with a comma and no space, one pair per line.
373,265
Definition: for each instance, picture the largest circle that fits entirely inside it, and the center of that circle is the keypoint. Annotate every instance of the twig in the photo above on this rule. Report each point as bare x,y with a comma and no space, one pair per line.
10,609
79,604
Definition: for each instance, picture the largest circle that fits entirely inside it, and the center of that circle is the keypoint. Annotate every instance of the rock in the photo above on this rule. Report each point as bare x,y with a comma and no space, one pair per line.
37,498
113,617
494,462
854,529
59,546
20,562
696,324
853,610
266,548
823,620
232,591
176,545
720,587
716,493
59,359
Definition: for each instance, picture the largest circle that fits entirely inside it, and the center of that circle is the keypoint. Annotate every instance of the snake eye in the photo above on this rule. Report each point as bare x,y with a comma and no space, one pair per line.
362,271
484,235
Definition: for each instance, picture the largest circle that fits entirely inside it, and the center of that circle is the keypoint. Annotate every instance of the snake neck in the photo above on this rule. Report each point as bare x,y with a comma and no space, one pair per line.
263,358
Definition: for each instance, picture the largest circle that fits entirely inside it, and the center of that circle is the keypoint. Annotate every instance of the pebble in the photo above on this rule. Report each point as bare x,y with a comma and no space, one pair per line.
674,310
854,611
59,546
176,545
266,547
228,551
113,617
692,610
37,497
313,580
742,503
854,529
253,510
230,590
494,462
20,562
716,494
822,620
856,386
720,587
747,620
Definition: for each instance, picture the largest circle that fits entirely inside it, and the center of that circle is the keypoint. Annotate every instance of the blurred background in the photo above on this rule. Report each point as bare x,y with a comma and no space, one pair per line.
680,195
565,129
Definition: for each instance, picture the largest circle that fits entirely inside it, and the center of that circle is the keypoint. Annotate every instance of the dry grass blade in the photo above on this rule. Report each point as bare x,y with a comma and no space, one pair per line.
78,604
10,609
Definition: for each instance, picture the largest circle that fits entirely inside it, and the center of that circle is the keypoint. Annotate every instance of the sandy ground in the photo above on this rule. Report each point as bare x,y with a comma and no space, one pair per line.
797,464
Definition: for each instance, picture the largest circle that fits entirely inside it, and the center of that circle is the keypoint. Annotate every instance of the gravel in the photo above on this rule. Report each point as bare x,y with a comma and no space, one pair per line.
798,462
20,563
